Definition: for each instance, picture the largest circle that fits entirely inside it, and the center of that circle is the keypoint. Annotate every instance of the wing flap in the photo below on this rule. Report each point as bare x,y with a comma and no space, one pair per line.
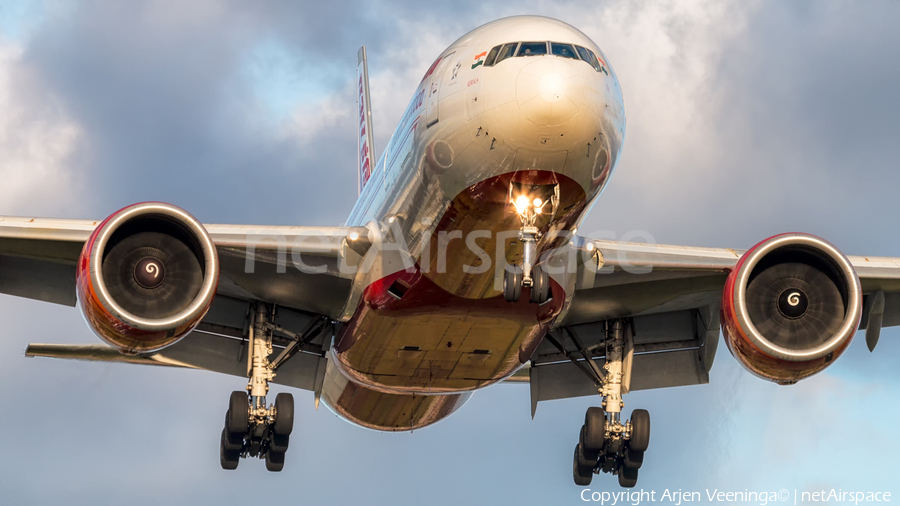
196,351
670,349
37,279
652,370
87,352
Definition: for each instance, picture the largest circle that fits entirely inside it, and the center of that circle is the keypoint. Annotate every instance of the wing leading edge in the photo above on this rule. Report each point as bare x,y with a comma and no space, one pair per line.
296,267
672,294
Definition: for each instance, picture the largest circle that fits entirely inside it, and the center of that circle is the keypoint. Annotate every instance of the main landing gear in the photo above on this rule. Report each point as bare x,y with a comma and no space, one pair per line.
528,274
606,444
251,428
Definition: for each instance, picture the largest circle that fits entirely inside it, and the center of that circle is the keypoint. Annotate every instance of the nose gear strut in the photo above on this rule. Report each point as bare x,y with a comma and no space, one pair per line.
528,274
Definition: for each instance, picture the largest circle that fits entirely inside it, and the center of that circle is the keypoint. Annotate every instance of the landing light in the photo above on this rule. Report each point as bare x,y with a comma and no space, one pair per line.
590,246
521,204
538,202
354,236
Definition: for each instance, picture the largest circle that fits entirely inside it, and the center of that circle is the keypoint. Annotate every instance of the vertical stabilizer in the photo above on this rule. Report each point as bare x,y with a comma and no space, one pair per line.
366,145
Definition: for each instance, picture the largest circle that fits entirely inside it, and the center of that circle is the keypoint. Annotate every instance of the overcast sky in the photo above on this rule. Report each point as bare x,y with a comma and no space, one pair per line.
745,119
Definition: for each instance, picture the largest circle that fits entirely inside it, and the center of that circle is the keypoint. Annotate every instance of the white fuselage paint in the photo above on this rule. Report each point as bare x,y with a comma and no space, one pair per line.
465,125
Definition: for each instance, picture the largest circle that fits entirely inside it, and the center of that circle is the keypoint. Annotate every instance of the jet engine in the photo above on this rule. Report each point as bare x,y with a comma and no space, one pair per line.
146,277
790,307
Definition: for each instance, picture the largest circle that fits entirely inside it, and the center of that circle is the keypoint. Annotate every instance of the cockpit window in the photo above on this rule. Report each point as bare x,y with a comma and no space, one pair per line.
564,50
532,49
499,53
506,51
588,56
491,56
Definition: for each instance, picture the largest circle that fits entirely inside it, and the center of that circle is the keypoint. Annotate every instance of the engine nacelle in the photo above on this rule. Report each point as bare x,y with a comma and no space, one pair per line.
146,277
790,307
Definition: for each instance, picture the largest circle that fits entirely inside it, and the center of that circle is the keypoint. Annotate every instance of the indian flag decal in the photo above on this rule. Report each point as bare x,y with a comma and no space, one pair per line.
602,66
479,59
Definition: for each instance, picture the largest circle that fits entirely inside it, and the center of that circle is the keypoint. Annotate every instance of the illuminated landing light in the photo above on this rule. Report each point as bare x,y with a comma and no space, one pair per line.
590,246
521,204
391,219
354,236
538,202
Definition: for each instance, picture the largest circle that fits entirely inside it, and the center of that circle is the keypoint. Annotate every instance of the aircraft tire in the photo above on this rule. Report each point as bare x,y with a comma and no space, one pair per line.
274,461
237,418
232,442
229,459
512,284
628,477
284,414
640,430
581,475
583,462
279,443
594,429
588,454
633,458
540,285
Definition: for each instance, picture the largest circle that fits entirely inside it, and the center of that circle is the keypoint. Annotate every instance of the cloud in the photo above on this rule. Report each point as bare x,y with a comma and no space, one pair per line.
744,119
38,140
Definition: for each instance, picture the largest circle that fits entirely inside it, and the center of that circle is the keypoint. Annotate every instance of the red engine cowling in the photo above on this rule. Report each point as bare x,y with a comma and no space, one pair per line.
146,277
790,307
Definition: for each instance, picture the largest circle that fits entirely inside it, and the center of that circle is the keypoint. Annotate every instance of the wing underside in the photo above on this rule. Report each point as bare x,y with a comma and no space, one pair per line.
671,296
295,268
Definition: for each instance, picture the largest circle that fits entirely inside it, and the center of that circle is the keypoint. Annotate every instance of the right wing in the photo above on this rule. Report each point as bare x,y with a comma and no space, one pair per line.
38,256
257,263
219,344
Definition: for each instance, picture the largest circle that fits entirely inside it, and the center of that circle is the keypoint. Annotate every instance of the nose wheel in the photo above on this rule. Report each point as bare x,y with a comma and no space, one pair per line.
513,281
527,274
253,429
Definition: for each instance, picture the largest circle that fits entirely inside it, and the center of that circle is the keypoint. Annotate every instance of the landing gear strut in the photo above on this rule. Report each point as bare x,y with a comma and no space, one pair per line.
251,428
606,444
528,274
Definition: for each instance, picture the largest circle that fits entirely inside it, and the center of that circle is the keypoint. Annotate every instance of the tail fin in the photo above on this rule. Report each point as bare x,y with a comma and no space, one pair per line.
366,145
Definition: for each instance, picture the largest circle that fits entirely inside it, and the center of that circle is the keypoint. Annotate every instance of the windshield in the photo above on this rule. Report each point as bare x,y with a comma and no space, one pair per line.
532,49
564,50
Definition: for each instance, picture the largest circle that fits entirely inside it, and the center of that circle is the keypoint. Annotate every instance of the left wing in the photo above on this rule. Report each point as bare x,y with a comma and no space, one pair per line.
672,295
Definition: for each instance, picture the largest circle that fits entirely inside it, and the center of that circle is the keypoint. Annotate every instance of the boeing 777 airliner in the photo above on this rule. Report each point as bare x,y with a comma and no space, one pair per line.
459,267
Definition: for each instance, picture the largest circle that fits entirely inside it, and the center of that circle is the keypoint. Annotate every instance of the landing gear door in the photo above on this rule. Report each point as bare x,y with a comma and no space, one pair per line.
434,90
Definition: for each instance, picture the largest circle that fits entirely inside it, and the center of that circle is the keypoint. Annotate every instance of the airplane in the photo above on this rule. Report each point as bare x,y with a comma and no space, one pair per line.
459,267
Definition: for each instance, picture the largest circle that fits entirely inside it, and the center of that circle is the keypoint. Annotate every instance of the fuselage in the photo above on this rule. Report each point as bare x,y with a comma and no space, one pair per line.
520,106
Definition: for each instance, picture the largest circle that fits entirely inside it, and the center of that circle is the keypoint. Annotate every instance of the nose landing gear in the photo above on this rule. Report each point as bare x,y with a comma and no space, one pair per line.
251,428
528,274
606,444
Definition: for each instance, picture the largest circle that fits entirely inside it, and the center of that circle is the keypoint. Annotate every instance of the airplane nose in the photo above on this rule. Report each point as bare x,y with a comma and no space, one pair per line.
549,91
